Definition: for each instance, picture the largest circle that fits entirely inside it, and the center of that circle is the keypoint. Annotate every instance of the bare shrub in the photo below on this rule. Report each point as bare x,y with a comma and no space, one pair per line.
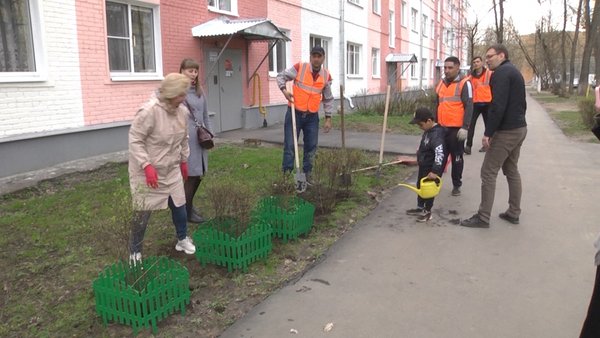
331,177
228,200
586,109
114,231
283,185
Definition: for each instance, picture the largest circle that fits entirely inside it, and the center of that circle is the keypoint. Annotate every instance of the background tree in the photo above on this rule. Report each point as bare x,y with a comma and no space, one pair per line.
574,45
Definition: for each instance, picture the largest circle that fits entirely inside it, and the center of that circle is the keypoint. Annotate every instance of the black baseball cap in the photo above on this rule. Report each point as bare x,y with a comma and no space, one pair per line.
317,50
421,115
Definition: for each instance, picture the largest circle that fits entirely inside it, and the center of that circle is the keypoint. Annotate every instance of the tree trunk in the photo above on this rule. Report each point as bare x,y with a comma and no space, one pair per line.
563,53
591,31
574,47
499,20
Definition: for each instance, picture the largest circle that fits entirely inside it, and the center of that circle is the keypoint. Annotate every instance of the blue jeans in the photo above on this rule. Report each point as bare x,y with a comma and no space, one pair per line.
140,222
308,123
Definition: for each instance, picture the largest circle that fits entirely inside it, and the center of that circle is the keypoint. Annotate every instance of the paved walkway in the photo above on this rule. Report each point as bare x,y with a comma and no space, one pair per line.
391,277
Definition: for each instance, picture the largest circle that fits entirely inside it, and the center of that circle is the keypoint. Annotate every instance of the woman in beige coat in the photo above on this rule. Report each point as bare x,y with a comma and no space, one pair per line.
158,152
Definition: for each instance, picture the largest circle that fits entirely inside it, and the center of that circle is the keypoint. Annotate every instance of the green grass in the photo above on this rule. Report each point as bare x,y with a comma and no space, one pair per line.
373,122
57,236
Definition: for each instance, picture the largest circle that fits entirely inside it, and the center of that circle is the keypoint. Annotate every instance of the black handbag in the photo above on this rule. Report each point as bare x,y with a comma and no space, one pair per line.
205,137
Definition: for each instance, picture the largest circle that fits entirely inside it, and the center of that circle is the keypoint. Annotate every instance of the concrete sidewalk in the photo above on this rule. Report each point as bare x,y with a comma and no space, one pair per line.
396,144
392,277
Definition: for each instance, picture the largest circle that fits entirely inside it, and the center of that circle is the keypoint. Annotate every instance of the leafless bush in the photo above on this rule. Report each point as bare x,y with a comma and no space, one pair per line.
331,177
114,231
586,109
283,185
401,103
229,200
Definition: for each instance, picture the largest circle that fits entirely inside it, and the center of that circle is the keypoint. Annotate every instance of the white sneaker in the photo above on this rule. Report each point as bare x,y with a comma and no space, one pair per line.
135,258
186,246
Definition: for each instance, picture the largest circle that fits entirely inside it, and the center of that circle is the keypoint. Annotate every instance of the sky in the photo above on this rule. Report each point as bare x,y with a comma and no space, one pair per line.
525,13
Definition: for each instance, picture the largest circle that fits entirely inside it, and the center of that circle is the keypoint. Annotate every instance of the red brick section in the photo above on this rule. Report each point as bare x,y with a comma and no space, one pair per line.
104,101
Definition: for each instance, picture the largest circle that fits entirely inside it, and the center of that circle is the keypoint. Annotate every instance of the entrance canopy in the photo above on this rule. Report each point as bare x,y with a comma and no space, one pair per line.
411,58
250,29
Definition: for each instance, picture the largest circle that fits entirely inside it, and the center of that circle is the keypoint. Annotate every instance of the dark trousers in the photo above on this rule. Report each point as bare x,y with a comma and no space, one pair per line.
478,109
423,203
456,149
308,124
591,326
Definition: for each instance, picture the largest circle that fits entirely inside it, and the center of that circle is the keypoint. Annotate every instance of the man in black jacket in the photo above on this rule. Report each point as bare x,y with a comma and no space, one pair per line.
504,134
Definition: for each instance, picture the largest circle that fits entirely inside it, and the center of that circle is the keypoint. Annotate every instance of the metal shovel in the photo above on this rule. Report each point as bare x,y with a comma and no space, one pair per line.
300,176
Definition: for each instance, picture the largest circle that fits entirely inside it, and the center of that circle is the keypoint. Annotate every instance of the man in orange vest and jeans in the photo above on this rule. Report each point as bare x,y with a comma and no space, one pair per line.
482,96
454,110
312,84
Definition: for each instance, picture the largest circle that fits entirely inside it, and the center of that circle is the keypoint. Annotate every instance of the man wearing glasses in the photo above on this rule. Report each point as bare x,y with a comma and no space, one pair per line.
504,134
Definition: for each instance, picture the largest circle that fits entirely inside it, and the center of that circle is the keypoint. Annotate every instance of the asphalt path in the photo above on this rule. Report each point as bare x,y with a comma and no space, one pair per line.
392,277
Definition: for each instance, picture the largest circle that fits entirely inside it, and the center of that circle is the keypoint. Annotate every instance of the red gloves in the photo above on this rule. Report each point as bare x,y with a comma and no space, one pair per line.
184,170
151,176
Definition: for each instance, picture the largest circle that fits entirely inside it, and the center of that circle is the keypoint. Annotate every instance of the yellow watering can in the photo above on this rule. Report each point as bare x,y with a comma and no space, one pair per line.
429,189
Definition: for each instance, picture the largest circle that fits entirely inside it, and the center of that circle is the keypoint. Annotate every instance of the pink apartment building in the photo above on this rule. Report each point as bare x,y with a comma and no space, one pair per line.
73,78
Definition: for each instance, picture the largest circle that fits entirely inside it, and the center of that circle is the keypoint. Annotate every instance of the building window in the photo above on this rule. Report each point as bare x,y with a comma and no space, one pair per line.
424,68
432,29
377,6
21,56
375,62
353,57
356,2
413,71
392,28
414,17
424,22
404,18
278,57
224,6
323,42
133,41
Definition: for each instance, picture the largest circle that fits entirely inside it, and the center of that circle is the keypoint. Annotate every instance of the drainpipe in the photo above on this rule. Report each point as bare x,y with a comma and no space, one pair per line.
421,46
342,57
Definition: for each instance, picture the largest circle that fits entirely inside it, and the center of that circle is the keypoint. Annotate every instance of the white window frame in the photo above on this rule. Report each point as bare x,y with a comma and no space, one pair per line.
424,22
404,13
140,76
323,42
355,2
413,71
432,29
376,63
355,53
216,8
39,53
424,68
376,7
414,17
273,55
392,29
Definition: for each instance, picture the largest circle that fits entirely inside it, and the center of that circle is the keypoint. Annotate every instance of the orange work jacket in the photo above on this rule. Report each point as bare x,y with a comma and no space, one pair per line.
481,87
308,92
450,112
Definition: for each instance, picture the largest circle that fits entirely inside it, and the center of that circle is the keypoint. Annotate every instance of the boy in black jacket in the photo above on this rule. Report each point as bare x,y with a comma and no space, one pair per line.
430,157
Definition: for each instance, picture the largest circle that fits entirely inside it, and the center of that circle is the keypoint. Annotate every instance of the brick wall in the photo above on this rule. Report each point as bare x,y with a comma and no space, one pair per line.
30,107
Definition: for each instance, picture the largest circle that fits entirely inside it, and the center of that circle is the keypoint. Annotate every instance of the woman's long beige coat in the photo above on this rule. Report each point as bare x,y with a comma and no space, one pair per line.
159,137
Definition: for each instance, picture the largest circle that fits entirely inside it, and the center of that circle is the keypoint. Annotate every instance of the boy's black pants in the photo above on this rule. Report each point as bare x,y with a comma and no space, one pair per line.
591,326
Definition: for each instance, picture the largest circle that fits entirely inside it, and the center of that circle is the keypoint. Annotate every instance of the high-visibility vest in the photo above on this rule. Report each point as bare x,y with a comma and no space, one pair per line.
481,87
308,92
450,111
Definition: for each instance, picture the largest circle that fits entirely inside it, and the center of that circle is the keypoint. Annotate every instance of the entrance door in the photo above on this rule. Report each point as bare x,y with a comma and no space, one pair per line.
224,85
392,75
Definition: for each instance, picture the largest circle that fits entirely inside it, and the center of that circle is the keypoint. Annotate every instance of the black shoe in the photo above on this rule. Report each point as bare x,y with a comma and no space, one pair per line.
415,212
508,218
456,191
194,217
468,150
482,150
425,216
474,222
